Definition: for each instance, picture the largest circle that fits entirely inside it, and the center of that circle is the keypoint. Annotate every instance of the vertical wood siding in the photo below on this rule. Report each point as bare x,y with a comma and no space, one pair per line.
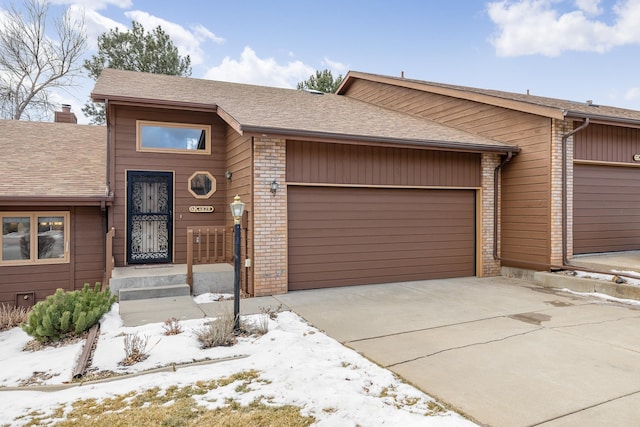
525,213
183,166
86,263
607,144
312,162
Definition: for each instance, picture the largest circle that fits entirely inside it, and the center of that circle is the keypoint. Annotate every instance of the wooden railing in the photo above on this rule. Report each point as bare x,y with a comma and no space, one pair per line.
109,261
205,245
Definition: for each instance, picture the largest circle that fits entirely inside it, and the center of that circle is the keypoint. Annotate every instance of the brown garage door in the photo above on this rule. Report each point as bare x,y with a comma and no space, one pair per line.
354,236
606,212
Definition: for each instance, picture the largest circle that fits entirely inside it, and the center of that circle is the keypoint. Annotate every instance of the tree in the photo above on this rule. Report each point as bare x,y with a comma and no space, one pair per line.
134,50
322,81
32,62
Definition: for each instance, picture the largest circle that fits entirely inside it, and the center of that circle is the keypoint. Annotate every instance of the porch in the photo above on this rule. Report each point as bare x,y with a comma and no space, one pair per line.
213,278
209,268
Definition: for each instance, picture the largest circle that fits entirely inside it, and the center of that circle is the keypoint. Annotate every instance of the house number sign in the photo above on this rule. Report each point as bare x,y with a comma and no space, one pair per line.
199,209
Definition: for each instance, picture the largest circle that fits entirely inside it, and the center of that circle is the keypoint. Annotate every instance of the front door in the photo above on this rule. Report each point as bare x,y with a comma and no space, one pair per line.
149,217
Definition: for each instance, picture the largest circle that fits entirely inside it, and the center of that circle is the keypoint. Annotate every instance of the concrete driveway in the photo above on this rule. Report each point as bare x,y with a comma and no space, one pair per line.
501,351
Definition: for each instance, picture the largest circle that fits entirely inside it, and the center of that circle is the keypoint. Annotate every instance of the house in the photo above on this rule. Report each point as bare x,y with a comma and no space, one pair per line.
572,188
364,194
52,191
390,179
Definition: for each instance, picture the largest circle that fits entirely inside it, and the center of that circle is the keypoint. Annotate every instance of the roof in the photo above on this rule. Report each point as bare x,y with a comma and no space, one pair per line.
261,109
551,107
52,160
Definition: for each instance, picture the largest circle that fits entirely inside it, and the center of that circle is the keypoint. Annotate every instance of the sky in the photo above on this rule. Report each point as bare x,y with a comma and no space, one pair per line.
297,365
570,49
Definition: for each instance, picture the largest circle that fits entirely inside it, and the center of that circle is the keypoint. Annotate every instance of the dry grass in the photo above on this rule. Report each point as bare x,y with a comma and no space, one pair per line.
259,326
176,407
11,316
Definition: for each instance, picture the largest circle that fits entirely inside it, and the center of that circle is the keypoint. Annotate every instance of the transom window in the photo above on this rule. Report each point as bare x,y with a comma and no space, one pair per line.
173,137
34,237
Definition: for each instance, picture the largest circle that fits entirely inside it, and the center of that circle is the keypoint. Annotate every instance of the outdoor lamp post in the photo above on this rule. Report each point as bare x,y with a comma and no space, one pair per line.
237,207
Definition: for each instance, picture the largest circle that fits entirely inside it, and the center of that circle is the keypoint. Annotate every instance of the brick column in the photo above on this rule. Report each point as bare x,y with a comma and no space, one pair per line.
558,129
490,266
270,217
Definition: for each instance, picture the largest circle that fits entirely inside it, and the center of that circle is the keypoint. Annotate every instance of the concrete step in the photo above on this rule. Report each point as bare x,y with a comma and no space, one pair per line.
148,292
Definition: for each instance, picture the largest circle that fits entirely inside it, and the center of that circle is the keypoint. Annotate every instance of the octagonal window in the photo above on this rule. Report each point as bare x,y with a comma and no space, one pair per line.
202,185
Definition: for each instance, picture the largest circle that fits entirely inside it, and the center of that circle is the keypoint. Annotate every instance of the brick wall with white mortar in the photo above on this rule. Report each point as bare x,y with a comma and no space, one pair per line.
269,217
558,129
490,266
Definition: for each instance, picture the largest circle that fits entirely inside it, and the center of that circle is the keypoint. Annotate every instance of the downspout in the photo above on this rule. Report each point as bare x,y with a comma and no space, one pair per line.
565,208
496,199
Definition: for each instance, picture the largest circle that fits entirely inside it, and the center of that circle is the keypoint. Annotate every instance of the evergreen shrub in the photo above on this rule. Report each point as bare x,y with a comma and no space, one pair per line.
68,313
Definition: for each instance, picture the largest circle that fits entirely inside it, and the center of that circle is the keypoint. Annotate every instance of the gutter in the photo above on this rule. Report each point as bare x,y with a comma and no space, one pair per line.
496,199
393,142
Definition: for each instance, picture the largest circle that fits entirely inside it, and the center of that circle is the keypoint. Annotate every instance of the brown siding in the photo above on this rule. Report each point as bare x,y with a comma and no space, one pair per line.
238,160
312,162
89,241
525,223
86,259
340,236
183,165
606,209
607,143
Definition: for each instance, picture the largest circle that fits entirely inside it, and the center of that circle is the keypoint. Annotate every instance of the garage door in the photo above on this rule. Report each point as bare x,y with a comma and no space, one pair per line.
353,236
606,213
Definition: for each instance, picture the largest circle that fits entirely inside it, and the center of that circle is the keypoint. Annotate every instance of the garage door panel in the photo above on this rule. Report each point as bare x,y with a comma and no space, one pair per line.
606,212
348,236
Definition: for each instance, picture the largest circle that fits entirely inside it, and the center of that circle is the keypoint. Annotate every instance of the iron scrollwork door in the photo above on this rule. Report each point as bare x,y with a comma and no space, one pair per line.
149,217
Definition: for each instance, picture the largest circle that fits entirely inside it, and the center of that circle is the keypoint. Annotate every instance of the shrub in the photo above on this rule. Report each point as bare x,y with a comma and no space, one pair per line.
135,349
172,326
218,332
11,316
67,313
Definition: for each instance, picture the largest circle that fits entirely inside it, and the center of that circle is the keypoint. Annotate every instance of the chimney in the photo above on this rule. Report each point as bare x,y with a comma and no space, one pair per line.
65,116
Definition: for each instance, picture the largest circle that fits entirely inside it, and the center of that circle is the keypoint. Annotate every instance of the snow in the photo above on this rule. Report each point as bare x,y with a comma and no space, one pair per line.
297,364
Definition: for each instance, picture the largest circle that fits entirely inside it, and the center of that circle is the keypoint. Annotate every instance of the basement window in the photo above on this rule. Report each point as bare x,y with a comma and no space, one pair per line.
34,237
163,137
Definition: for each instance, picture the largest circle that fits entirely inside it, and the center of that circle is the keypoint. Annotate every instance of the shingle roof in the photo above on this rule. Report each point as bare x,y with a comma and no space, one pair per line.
277,110
52,159
564,107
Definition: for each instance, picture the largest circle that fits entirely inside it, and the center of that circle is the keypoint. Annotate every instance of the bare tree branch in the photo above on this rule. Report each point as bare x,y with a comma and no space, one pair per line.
31,62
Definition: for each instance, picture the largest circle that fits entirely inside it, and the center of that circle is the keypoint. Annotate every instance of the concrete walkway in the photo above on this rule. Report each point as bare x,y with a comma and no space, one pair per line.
503,352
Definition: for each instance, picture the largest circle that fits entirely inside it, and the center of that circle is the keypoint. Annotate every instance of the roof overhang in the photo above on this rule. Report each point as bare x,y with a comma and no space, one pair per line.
55,201
380,141
602,119
511,104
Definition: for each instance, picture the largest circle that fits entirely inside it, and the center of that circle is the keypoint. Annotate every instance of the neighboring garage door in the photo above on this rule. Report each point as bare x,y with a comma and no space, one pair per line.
341,236
606,210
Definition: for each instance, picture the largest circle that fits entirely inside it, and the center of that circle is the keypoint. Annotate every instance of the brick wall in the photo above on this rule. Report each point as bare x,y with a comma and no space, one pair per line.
270,217
490,266
558,129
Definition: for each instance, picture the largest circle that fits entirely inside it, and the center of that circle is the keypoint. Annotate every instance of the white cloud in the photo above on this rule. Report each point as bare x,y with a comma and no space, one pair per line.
254,70
632,94
336,67
95,4
95,24
591,7
187,41
530,27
